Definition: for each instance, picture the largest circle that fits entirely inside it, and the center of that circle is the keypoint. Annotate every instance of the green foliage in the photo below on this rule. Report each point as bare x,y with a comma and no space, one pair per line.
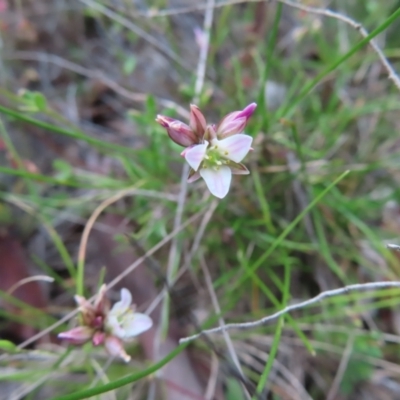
7,346
34,102
358,369
298,220
233,390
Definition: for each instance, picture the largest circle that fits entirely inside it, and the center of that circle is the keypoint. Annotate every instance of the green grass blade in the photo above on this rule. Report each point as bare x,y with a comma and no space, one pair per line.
83,394
288,229
288,110
75,134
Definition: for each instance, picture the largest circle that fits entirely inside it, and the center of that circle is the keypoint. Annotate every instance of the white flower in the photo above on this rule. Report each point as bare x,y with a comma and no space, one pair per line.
215,162
123,323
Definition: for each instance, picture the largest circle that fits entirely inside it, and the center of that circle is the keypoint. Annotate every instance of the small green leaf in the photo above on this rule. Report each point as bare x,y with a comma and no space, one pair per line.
64,170
8,346
40,101
151,106
129,65
34,101
234,390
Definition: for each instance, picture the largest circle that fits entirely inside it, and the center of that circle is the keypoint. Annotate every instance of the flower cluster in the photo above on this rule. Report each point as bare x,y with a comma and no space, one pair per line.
108,326
214,152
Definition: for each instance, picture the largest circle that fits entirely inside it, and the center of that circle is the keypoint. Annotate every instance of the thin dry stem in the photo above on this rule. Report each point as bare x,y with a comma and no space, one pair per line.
96,213
217,308
90,223
137,30
95,75
172,259
155,248
196,243
342,368
213,379
303,304
201,66
43,278
392,75
28,388
101,375
201,69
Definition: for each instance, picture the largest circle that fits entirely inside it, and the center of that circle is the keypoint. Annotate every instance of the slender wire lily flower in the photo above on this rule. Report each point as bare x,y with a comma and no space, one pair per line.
108,326
214,152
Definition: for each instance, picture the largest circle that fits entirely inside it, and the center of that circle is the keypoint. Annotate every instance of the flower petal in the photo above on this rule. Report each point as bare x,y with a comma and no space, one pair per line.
248,111
238,169
193,176
121,306
218,180
78,335
98,338
114,326
82,302
197,121
102,303
114,347
235,147
88,312
210,133
136,324
195,155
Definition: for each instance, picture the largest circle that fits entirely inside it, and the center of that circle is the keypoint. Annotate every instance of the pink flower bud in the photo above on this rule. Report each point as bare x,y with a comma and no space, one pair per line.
78,335
231,127
178,131
247,112
197,121
235,122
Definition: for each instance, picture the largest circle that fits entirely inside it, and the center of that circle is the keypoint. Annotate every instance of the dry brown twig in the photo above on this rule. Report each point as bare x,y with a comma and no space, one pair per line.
298,306
392,75
217,309
344,362
137,30
95,75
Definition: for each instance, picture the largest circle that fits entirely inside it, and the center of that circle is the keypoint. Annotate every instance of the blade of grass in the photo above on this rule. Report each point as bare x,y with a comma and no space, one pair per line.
262,106
83,394
324,247
291,321
275,344
288,229
263,201
288,110
75,134
49,179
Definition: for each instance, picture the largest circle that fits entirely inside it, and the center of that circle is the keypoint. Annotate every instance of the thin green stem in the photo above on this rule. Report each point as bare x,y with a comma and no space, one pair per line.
83,394
75,134
275,344
288,229
262,103
56,181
